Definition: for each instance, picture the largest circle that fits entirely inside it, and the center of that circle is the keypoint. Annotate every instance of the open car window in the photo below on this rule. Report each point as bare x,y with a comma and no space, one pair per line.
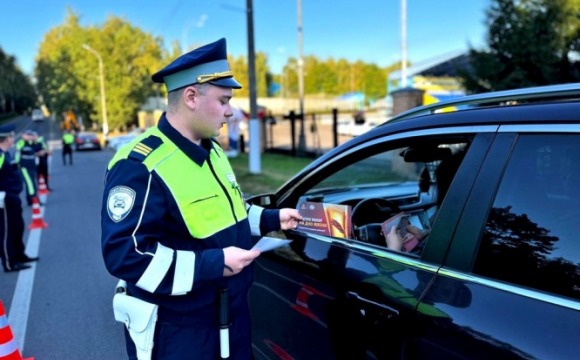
387,182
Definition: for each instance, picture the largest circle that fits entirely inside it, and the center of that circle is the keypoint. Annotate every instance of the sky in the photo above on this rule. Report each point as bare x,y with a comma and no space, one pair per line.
366,30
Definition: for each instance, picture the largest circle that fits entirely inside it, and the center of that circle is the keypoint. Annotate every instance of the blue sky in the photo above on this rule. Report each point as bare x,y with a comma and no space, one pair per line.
367,30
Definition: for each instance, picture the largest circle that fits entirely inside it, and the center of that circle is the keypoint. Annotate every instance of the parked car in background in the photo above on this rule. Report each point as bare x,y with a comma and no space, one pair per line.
115,142
87,140
494,187
37,115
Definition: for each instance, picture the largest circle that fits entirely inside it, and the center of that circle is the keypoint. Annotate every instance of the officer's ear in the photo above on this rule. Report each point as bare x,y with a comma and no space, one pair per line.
189,96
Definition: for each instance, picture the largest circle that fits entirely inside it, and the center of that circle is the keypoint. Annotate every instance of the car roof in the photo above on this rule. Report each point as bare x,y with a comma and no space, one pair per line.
544,104
556,104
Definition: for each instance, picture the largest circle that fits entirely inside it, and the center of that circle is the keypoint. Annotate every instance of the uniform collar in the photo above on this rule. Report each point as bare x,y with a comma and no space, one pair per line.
197,153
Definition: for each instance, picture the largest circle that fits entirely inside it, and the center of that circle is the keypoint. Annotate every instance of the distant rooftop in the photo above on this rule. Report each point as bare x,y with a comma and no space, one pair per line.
443,65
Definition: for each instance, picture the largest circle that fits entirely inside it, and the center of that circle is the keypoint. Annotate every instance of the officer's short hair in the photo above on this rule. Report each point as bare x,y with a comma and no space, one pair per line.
174,96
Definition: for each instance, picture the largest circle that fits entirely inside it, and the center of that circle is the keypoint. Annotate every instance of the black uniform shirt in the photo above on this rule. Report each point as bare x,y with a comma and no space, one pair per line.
10,180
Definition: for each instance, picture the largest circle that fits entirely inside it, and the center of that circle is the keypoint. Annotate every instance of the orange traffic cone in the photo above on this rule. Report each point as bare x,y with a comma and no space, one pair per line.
37,221
8,348
42,189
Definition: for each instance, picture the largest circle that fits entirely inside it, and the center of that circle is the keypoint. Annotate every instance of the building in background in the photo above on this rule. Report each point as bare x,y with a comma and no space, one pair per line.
438,77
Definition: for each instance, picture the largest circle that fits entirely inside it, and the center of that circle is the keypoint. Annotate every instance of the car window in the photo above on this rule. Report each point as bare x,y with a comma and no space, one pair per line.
386,167
381,182
532,231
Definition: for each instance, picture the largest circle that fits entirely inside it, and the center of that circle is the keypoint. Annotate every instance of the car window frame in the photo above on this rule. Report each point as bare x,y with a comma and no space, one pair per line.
435,250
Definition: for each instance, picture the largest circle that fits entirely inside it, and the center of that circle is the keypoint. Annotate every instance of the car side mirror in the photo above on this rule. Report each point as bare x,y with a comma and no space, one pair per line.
264,200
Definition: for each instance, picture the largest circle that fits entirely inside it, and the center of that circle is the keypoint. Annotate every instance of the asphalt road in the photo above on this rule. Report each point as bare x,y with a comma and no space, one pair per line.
61,308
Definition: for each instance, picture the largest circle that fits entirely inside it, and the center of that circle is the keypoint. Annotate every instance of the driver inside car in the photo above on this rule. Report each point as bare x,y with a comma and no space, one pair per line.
444,173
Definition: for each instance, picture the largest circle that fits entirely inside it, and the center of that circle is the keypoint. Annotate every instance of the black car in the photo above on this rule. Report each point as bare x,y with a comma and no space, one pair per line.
87,140
492,182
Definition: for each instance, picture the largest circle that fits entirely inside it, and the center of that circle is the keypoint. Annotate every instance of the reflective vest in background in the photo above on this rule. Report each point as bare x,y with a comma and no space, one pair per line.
68,139
25,153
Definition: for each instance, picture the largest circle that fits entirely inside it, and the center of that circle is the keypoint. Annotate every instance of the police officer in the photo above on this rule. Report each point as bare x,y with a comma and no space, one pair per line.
68,140
175,226
26,153
11,221
44,152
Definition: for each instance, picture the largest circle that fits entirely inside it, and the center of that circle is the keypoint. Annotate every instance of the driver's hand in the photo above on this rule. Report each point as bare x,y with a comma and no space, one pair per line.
394,239
416,231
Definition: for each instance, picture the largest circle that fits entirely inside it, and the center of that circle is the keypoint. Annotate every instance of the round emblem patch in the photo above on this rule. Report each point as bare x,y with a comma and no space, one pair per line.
120,202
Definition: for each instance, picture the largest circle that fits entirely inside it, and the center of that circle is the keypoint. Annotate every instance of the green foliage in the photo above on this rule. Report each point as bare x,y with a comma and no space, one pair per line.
17,93
68,75
529,43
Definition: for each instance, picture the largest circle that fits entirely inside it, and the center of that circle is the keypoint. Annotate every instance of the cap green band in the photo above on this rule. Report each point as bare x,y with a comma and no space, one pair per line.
189,76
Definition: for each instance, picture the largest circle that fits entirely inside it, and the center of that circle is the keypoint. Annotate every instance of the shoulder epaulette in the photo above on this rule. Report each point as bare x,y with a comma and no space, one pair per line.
143,148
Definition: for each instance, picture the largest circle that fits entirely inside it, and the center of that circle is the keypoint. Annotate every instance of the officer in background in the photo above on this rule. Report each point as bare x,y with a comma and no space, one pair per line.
26,153
175,226
11,221
68,139
42,167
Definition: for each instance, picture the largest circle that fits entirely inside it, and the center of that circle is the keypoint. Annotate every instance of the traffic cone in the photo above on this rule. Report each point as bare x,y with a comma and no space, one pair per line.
8,348
37,221
42,189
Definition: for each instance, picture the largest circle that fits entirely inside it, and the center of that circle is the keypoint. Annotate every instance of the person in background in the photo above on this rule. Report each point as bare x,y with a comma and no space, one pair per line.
26,157
11,221
175,226
234,122
68,139
42,167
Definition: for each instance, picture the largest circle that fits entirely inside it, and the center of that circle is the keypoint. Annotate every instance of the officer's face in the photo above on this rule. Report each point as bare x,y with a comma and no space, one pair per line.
212,110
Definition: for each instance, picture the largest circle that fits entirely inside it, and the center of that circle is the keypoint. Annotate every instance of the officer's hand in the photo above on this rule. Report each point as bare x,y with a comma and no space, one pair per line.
236,259
289,218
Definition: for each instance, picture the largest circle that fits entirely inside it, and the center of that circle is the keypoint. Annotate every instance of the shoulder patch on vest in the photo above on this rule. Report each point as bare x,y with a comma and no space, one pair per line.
143,148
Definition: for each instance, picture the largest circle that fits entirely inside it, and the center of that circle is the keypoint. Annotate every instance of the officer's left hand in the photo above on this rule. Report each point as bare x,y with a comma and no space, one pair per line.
289,218
236,259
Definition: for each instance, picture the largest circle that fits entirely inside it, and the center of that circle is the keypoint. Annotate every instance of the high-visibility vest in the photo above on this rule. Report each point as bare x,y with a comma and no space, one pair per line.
68,139
204,213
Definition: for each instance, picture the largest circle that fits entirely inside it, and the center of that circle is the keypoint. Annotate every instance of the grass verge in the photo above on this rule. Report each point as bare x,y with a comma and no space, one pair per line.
276,169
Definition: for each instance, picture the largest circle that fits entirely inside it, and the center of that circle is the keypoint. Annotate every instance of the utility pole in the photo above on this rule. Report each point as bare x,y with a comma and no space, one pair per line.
255,151
403,44
102,81
301,137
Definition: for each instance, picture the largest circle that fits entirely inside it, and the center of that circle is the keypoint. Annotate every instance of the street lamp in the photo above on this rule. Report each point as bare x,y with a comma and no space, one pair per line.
102,80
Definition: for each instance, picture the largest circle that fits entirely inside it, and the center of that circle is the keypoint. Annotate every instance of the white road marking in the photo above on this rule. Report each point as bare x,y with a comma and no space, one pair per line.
20,307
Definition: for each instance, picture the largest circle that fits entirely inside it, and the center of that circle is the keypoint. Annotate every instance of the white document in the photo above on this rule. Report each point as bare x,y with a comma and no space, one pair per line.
267,243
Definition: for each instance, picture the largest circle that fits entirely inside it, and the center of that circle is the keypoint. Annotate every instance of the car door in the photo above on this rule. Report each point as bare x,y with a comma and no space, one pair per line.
516,252
325,297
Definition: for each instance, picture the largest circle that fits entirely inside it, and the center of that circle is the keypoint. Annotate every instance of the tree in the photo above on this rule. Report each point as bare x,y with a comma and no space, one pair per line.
239,66
17,93
68,75
529,43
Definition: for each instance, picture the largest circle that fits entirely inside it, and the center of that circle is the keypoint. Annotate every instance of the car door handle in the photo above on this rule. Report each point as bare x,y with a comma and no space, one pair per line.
390,311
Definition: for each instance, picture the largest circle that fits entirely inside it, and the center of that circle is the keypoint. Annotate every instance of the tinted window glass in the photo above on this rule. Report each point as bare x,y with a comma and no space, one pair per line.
532,235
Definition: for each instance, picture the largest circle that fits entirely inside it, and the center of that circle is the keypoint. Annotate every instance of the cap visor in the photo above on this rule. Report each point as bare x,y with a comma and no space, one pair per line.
226,82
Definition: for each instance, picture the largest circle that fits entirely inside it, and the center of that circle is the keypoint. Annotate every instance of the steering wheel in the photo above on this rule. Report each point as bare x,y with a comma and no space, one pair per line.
367,216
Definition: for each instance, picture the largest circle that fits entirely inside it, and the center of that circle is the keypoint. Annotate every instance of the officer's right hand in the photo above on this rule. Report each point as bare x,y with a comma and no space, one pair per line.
236,259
